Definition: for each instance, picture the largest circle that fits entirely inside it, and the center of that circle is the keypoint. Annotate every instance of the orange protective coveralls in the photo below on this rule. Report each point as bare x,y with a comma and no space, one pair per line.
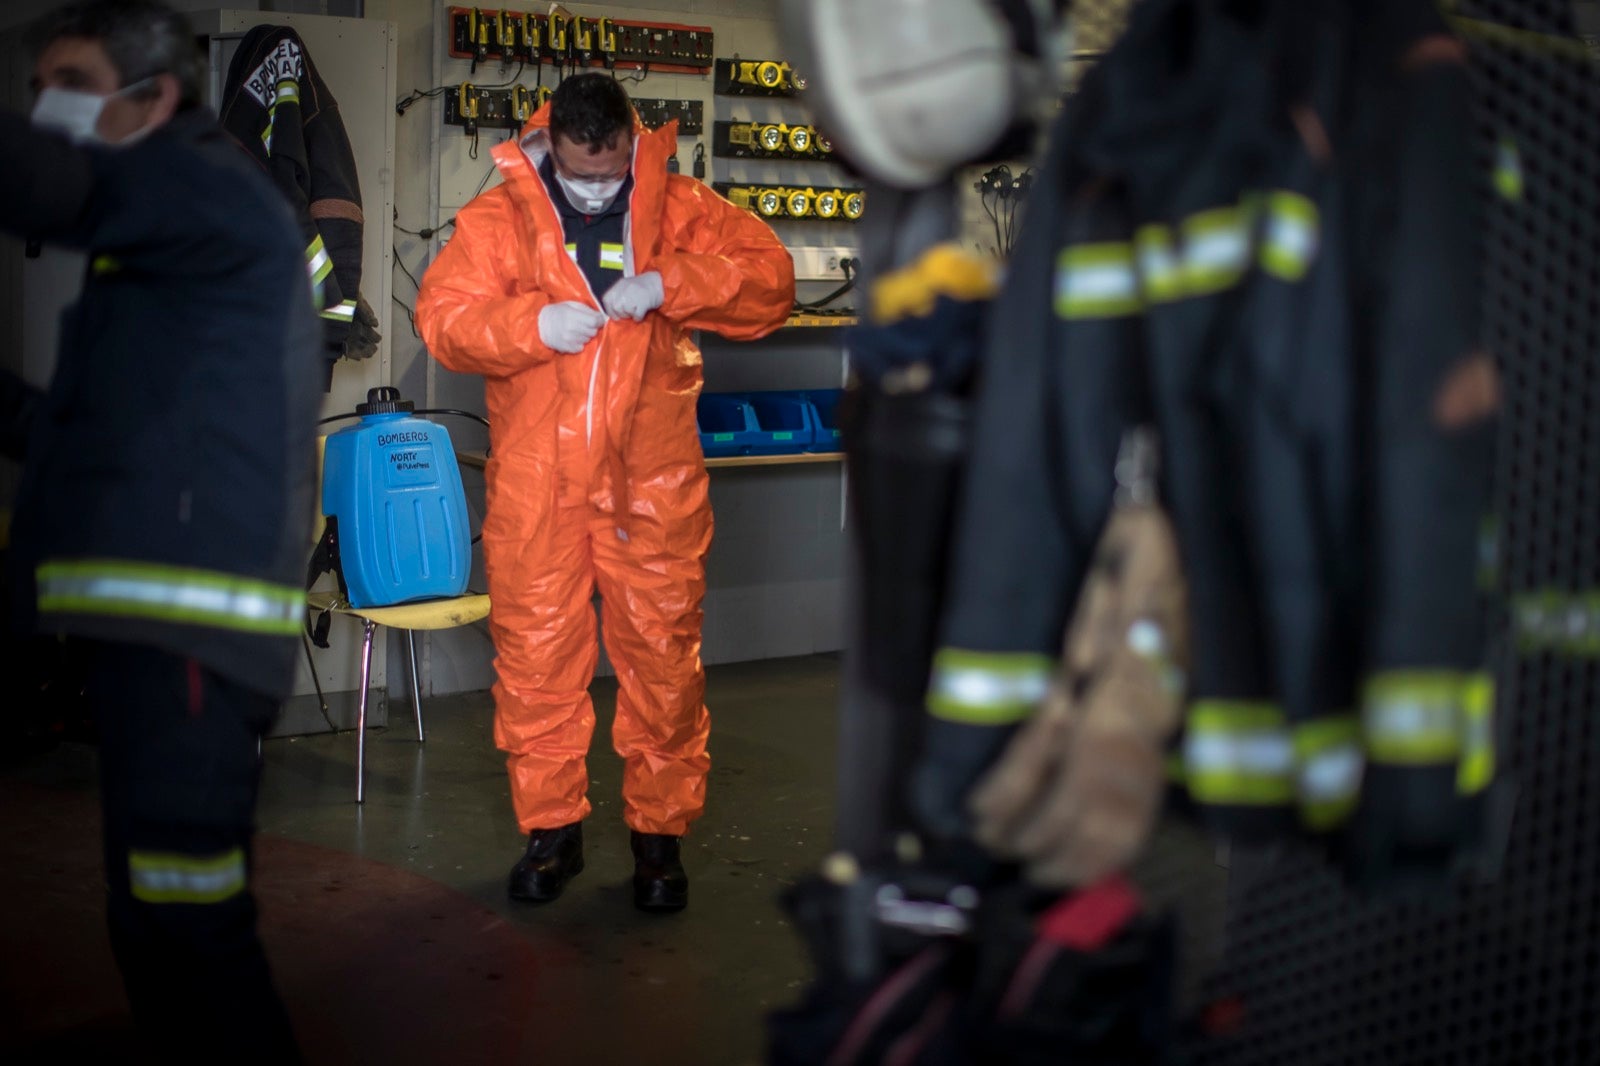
596,477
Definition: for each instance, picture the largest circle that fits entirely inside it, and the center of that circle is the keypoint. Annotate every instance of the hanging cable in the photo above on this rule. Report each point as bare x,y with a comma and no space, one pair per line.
410,314
405,103
401,264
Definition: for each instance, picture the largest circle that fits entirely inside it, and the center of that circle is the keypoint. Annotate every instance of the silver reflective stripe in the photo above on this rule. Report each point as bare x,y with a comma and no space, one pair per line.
1332,775
318,262
1257,753
156,877
1096,281
1105,282
345,311
1294,237
184,597
1291,242
1414,729
1217,250
1158,264
173,595
975,687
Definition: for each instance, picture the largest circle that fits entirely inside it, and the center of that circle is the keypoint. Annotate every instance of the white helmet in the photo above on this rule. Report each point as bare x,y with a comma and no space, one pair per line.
910,90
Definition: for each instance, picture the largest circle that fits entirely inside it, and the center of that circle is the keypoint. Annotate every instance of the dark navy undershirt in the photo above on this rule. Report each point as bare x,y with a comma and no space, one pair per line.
591,232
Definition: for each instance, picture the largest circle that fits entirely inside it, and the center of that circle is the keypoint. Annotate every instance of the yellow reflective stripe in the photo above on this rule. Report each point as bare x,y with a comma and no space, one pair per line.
1216,250
611,256
1508,181
1413,717
288,89
1328,768
1096,281
980,688
1238,753
166,877
1234,716
116,588
1476,769
1292,234
105,264
344,311
572,252
1159,268
1558,621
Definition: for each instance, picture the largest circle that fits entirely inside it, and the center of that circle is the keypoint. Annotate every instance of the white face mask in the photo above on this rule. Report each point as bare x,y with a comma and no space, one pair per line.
590,196
77,114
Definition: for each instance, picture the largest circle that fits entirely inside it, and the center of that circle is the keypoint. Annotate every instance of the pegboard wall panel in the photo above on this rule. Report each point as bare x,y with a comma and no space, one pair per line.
1506,971
466,168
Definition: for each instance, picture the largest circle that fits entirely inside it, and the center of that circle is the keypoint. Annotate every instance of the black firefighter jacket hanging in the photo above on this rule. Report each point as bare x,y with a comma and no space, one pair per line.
276,105
1262,238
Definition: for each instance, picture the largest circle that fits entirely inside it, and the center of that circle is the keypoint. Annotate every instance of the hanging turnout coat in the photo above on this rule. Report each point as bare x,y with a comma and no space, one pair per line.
1261,235
279,109
596,478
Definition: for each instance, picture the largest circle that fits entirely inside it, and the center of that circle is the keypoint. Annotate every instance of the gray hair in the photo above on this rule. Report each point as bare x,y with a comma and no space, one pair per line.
143,38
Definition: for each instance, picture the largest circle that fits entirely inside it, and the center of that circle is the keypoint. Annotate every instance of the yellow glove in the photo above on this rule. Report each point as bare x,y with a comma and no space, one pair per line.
1077,791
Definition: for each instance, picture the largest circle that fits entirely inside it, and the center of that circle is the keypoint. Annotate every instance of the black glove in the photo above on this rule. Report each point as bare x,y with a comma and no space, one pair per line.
362,341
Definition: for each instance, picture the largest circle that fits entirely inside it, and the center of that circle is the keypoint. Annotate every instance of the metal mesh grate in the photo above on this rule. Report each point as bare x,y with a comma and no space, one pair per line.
1506,972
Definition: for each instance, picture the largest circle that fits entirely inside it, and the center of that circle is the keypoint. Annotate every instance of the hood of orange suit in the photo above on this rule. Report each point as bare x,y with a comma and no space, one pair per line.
519,159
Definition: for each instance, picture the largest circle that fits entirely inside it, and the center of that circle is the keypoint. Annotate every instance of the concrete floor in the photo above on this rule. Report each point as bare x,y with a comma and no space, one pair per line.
432,846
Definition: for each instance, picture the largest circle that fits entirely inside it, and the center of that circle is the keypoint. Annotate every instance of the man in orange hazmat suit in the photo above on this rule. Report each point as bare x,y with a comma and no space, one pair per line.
572,288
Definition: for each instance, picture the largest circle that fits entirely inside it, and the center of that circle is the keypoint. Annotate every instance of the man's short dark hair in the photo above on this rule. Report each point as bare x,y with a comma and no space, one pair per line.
143,38
591,110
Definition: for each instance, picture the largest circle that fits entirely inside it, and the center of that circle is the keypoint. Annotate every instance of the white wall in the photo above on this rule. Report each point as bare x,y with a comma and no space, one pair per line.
774,571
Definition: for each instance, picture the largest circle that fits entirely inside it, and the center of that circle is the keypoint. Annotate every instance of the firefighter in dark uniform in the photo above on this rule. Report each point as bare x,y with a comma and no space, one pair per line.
167,495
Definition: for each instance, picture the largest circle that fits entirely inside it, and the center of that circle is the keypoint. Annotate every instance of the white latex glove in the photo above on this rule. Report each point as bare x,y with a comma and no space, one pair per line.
567,327
635,297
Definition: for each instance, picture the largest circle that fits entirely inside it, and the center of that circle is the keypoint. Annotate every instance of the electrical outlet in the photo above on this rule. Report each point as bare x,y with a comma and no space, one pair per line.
819,264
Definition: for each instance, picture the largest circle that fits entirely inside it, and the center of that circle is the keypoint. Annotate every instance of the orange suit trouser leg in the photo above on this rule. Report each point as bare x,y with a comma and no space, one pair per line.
650,612
543,625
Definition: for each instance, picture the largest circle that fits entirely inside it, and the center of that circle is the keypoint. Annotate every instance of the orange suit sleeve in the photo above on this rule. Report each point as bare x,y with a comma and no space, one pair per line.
724,270
470,312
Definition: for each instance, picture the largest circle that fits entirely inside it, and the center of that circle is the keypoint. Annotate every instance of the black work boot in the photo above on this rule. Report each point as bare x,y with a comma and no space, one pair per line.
659,883
554,857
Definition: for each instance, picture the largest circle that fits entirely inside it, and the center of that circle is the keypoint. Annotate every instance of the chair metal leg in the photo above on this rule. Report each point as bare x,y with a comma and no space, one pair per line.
361,712
416,685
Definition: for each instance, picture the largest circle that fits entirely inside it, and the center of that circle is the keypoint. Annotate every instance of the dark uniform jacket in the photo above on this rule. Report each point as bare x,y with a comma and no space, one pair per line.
1261,235
167,494
279,109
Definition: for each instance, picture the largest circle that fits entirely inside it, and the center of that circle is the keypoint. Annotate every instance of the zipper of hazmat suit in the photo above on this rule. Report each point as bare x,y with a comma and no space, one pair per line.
597,355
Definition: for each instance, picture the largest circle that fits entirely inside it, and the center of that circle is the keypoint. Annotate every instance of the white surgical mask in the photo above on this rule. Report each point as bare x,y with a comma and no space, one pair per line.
592,197
77,114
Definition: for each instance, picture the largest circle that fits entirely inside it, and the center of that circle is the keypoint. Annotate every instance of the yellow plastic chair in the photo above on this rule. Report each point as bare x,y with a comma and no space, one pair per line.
428,615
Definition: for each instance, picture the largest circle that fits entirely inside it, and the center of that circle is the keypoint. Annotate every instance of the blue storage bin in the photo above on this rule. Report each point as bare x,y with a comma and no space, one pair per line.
727,425
825,407
785,420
